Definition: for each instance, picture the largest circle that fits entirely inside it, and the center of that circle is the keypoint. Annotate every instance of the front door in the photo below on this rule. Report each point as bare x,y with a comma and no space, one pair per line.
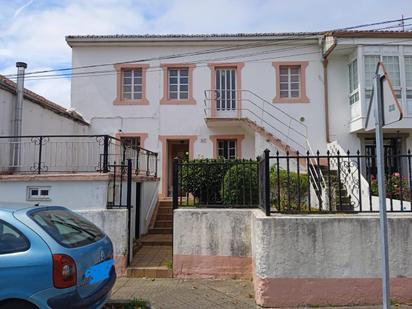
179,149
391,148
225,90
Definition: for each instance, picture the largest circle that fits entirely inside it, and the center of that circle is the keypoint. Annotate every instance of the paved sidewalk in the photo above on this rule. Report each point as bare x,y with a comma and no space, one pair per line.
166,293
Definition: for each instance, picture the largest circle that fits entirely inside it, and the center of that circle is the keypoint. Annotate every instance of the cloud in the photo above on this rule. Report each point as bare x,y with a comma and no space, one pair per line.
34,31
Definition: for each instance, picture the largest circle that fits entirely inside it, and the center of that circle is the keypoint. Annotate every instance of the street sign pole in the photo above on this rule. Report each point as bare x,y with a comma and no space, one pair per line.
379,122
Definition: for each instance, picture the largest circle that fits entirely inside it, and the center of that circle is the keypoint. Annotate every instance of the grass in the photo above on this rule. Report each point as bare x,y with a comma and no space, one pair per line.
135,303
169,264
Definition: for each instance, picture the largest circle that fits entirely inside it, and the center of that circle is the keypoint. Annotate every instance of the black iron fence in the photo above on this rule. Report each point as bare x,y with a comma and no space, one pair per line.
295,183
215,183
70,154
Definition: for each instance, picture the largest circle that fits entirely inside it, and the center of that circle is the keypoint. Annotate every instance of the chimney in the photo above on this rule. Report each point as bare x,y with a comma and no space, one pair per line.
18,114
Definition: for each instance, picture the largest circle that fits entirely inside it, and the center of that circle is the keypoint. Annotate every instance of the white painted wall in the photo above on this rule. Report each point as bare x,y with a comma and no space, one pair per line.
36,119
76,195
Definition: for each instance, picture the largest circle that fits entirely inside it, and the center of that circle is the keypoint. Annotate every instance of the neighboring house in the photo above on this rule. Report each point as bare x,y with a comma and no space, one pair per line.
232,96
40,116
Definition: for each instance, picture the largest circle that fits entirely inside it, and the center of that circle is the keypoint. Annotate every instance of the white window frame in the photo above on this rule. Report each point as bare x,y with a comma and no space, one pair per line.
289,81
134,95
178,84
30,196
353,93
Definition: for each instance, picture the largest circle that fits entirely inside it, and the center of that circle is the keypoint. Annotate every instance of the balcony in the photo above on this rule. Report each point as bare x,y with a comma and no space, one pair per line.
70,154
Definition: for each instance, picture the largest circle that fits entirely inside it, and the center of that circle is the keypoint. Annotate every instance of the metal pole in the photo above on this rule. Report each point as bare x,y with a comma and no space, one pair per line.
267,183
382,192
129,207
175,182
18,114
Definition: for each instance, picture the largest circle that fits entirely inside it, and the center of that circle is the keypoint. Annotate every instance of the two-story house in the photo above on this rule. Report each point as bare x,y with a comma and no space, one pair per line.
233,95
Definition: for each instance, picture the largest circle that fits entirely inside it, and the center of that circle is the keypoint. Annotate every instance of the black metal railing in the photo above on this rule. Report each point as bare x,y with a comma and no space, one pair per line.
70,154
286,183
215,183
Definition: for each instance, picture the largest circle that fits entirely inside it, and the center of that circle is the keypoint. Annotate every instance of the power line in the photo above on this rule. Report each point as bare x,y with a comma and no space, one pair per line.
221,49
158,69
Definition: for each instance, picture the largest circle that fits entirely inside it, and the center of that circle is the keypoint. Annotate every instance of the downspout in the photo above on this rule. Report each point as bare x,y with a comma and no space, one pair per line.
325,88
18,115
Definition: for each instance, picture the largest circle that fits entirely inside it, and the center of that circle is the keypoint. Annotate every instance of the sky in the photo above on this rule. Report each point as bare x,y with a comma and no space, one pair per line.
34,31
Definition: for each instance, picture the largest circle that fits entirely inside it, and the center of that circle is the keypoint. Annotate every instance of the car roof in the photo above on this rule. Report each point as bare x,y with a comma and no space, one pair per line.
13,207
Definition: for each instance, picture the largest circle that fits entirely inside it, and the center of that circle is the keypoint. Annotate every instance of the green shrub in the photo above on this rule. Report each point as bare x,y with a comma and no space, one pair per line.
203,178
394,183
284,185
240,186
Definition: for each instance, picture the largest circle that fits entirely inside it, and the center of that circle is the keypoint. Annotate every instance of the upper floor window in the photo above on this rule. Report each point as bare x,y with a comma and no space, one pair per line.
132,142
353,82
408,77
178,84
131,84
391,64
290,82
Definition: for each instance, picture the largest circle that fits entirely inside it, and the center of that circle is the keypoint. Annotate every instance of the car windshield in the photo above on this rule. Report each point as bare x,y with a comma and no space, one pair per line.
67,228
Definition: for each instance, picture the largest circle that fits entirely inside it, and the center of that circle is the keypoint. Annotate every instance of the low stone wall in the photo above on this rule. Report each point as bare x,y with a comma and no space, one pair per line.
295,260
114,223
212,243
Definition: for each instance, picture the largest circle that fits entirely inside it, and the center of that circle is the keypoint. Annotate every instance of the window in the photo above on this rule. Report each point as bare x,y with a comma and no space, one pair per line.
131,84
226,148
408,78
67,228
353,82
11,240
178,84
131,142
38,193
370,70
290,82
392,67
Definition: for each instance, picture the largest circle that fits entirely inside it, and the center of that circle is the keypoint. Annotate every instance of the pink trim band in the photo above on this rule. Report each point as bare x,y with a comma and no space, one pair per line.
196,266
295,292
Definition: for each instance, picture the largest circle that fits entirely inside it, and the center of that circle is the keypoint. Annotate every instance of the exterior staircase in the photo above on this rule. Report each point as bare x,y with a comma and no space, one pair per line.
154,257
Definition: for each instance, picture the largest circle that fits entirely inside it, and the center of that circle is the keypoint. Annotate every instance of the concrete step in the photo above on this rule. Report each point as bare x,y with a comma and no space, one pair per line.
161,230
149,272
164,223
168,217
157,240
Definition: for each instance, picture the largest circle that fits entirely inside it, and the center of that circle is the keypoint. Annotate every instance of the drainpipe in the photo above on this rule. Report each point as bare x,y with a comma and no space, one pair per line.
325,88
18,114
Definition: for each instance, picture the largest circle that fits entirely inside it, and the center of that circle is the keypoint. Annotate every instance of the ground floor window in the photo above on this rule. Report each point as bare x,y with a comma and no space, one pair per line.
131,142
392,147
226,148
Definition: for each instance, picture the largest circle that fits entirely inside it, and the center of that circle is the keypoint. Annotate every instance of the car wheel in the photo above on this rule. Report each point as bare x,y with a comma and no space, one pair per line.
17,304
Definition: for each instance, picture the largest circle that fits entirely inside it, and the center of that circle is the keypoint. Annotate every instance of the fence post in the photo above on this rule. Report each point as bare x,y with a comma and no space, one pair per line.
147,163
106,154
267,183
40,153
129,206
156,155
175,182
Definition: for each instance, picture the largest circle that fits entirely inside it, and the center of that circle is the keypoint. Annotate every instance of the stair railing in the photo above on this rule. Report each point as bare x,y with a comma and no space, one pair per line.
270,120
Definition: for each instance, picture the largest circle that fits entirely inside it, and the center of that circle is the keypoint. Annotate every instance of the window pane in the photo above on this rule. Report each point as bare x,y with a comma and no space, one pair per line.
137,96
173,80
183,88
137,72
283,94
172,72
11,240
283,70
284,79
184,72
127,88
127,95
370,68
173,88
391,64
295,70
284,86
184,80
294,86
294,94
408,71
127,73
127,81
173,95
184,95
67,228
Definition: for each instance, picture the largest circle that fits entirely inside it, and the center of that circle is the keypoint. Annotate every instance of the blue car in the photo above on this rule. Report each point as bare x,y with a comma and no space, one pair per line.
51,257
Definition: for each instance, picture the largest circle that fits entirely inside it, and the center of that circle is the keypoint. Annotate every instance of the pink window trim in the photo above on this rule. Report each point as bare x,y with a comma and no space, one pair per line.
165,99
237,137
119,100
303,98
238,66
